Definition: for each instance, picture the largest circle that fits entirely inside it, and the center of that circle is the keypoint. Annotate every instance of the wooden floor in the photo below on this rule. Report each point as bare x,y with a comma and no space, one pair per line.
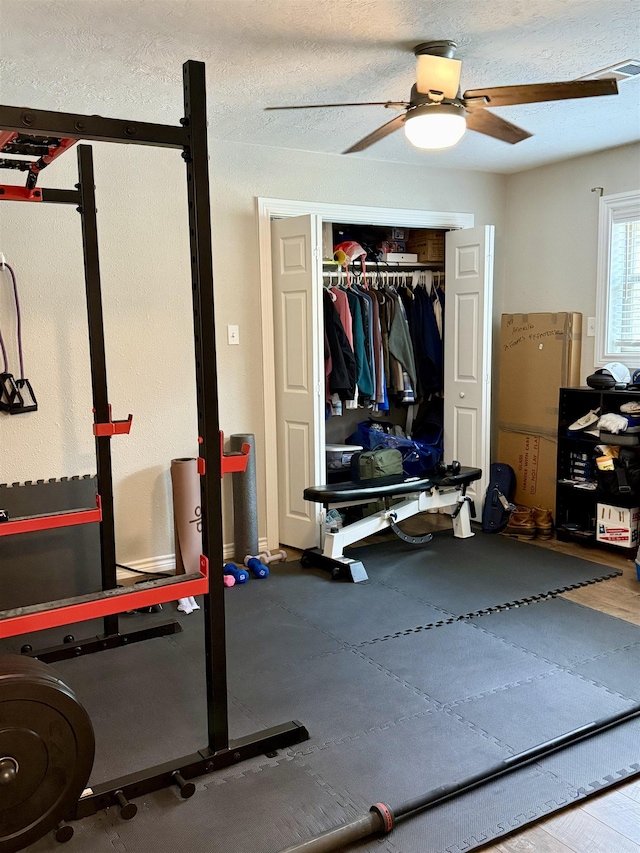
609,823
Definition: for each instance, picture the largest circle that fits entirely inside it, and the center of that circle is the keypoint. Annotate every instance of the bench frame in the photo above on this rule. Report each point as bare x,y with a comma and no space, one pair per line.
438,496
446,498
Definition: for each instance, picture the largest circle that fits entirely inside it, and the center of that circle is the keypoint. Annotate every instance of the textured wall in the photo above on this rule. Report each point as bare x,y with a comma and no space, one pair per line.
551,251
144,255
143,240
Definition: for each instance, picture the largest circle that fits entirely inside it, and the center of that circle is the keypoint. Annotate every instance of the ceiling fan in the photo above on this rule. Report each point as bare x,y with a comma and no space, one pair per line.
437,115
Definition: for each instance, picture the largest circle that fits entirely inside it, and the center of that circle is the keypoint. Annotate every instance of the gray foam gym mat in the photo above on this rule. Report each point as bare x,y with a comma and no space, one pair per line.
619,671
472,661
527,714
479,817
336,695
135,696
400,760
562,632
49,564
352,613
375,731
462,576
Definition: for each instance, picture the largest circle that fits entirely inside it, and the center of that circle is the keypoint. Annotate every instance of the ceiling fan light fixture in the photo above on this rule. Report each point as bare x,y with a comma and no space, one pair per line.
435,126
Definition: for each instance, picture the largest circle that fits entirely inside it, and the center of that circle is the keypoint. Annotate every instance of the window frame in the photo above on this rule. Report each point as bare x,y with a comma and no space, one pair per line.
611,206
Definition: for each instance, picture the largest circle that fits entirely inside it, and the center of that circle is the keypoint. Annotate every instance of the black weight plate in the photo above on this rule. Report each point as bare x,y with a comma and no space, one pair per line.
48,735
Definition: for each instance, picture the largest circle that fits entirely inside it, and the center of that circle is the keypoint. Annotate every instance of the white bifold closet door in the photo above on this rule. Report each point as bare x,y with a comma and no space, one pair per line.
299,368
467,357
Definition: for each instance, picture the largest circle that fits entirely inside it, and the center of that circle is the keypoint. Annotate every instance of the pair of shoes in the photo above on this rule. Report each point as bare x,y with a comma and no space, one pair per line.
530,522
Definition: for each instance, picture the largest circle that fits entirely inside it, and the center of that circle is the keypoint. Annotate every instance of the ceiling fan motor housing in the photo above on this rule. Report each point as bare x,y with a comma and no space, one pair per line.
444,48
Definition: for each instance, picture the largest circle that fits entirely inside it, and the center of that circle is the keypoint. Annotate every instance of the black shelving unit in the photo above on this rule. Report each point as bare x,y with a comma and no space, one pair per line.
576,505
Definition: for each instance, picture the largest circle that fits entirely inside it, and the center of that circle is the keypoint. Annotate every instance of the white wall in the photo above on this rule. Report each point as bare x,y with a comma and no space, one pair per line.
551,249
144,254
143,242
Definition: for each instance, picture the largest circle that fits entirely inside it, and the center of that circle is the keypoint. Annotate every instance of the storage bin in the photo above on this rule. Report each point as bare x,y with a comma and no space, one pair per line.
617,525
339,455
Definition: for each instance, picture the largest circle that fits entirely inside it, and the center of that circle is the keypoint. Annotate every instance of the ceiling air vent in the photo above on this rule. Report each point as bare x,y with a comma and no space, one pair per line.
626,70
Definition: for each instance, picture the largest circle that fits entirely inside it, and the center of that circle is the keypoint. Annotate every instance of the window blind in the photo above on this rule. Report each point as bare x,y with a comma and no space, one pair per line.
624,285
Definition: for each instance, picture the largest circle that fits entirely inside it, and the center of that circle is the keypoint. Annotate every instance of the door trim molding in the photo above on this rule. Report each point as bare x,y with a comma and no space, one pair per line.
275,208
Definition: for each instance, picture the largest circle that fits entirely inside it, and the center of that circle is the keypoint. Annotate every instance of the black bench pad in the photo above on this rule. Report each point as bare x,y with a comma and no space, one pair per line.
349,491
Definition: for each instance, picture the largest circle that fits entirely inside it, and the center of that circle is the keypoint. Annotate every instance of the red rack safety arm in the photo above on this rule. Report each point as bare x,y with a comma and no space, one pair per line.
7,136
10,193
232,463
31,523
54,614
113,427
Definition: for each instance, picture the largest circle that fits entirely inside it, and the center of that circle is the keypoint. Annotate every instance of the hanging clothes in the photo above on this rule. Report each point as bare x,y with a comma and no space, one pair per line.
429,343
393,325
369,346
401,347
363,372
344,312
342,379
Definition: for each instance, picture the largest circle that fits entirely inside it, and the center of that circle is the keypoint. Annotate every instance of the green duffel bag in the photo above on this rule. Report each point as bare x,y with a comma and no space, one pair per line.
384,463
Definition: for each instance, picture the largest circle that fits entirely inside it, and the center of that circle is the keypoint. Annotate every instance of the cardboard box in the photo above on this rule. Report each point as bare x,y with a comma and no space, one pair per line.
617,525
399,258
428,245
539,354
533,458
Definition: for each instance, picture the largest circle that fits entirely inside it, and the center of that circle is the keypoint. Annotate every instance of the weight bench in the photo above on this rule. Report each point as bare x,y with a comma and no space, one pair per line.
446,490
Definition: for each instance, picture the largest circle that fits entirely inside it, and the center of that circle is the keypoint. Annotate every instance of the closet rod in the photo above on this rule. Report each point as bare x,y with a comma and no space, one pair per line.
373,268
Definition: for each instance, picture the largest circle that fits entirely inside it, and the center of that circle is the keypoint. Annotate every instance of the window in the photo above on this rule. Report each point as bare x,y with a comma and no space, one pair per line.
618,305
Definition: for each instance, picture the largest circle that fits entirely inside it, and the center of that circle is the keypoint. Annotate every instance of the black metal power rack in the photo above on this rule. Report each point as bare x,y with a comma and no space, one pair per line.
49,134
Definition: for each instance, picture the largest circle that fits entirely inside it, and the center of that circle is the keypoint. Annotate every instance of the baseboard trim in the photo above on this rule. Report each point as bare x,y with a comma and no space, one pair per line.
166,563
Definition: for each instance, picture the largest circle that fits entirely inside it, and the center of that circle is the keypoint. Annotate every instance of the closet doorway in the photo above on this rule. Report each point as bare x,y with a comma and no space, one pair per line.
293,359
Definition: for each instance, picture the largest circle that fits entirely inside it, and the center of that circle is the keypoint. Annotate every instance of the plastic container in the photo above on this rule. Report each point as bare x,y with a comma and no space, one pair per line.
339,455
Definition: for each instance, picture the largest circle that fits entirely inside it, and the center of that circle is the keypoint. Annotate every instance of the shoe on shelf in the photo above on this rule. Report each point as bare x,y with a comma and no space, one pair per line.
632,408
543,522
521,523
585,421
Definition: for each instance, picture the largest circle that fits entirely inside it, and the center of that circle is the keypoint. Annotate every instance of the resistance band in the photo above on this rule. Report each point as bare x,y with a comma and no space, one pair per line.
16,395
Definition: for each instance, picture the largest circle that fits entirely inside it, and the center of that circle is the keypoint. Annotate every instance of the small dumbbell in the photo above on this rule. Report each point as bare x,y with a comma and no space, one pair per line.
443,468
239,575
267,557
258,568
229,580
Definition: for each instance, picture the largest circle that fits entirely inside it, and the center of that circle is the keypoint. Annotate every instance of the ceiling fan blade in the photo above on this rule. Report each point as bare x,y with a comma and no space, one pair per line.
392,105
533,93
390,127
438,74
492,125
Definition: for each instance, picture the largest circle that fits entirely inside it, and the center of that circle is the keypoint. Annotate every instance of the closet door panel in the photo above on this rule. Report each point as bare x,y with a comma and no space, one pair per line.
467,371
299,357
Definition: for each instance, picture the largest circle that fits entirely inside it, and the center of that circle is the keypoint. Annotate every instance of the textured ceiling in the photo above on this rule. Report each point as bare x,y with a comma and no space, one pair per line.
123,58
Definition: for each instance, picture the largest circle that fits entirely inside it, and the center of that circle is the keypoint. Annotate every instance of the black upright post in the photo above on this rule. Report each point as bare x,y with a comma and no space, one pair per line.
98,371
197,160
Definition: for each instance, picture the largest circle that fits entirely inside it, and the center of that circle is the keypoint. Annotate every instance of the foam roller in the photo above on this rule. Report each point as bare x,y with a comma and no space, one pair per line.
245,501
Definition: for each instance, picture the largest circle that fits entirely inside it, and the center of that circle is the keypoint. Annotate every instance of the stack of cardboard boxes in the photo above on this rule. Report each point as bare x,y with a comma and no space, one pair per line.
539,354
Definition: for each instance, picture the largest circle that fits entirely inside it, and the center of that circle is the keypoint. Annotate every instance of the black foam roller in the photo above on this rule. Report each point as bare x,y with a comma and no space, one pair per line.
245,502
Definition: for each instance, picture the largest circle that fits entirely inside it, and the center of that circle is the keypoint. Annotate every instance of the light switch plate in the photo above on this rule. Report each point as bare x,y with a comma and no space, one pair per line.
591,327
233,335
